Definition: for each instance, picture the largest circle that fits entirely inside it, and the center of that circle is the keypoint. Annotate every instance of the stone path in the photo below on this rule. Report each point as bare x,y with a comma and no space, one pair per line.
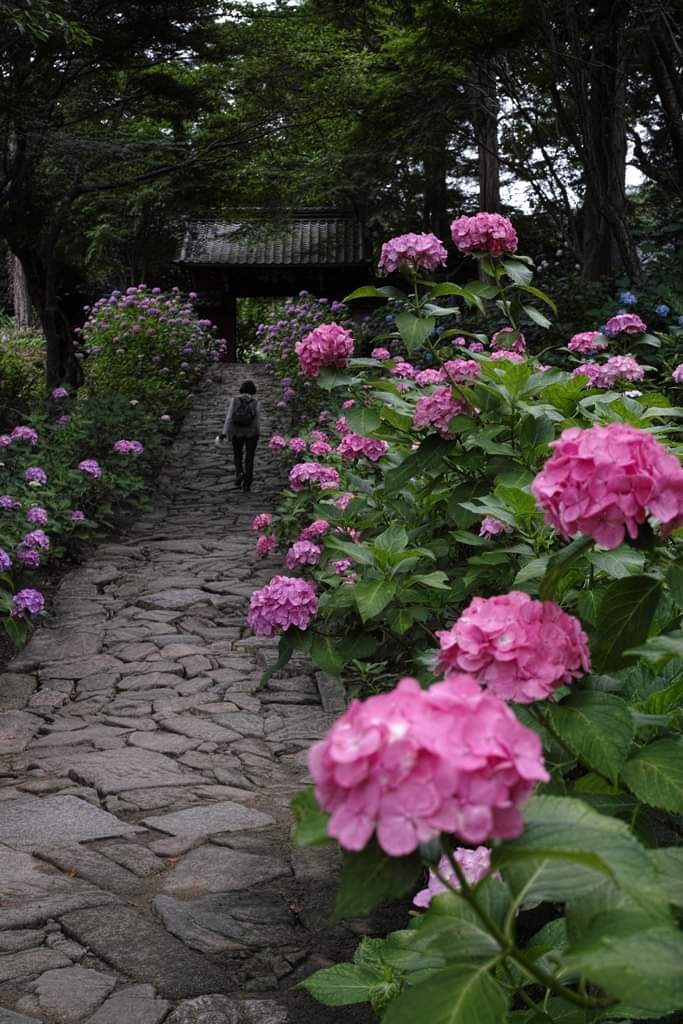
146,872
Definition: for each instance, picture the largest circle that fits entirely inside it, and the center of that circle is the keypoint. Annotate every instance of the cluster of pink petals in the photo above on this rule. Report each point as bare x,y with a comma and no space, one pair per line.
604,481
460,371
320,449
508,354
424,251
413,763
264,545
91,468
285,601
475,865
588,341
277,441
297,445
492,527
625,323
520,648
343,500
423,378
24,434
342,565
403,370
438,409
489,233
605,375
318,528
262,521
303,552
327,345
124,447
318,435
340,425
380,353
304,473
353,446
349,531
500,341
677,374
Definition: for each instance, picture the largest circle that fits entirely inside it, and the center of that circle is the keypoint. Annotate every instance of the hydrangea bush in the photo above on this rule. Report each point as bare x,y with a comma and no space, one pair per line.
510,564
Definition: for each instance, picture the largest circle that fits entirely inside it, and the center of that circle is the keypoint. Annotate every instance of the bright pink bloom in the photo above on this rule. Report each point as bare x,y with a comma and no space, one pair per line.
488,233
353,446
520,648
343,500
406,370
297,445
423,378
24,434
262,521
508,354
277,441
304,473
264,545
438,409
604,481
320,449
124,447
77,516
677,374
60,393
605,375
327,345
341,566
625,323
423,251
413,763
318,528
587,342
91,468
303,552
285,601
348,531
492,527
475,865
380,353
318,435
476,346
499,341
349,403
461,371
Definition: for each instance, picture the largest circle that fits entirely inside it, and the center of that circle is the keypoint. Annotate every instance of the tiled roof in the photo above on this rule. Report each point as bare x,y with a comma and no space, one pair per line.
301,240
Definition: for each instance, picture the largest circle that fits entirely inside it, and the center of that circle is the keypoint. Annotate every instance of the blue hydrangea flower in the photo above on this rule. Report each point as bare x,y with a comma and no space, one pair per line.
628,298
603,330
662,309
389,317
680,321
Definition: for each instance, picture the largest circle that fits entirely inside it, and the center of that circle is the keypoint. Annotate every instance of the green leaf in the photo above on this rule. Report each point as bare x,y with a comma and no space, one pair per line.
414,330
662,701
435,580
539,294
560,563
537,317
618,563
429,456
342,984
311,820
394,538
655,774
535,431
370,292
451,997
357,552
674,578
517,271
371,877
669,864
631,959
372,596
624,617
597,727
363,419
566,396
326,653
521,503
330,379
659,649
290,641
445,288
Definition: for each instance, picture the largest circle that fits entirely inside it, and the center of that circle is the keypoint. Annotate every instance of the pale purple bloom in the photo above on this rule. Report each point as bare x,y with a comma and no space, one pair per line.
60,393
24,434
124,447
77,516
36,539
9,504
91,468
31,601
28,557
35,475
37,515
492,527
474,863
5,561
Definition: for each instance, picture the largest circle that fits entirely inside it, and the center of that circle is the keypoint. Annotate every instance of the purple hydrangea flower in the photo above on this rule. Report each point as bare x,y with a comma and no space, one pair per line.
91,468
35,475
60,393
37,515
28,557
31,601
77,516
24,434
9,504
124,447
36,539
5,561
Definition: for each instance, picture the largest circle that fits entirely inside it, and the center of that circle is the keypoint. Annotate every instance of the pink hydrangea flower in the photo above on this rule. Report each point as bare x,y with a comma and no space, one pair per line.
327,345
625,323
403,370
297,445
423,378
461,371
284,602
262,521
475,865
320,449
5,440
492,527
77,516
124,447
507,354
349,403
410,764
677,374
264,545
343,500
459,340
304,473
303,552
24,434
380,353
37,515
438,409
605,375
318,528
587,342
499,341
277,441
416,251
60,393
520,648
604,481
27,601
476,346
353,446
342,565
91,468
488,233
349,531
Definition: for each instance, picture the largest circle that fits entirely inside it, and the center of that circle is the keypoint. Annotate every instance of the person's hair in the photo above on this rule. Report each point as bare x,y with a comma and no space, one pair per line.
248,388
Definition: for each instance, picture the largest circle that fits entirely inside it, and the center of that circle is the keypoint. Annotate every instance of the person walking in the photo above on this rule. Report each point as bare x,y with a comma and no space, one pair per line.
243,427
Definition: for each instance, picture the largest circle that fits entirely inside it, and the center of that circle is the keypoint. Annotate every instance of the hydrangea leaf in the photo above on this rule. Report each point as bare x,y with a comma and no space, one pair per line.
371,877
597,727
451,997
623,620
655,774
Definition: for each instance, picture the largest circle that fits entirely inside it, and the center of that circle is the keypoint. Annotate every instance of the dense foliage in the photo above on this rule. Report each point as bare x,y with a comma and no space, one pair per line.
507,533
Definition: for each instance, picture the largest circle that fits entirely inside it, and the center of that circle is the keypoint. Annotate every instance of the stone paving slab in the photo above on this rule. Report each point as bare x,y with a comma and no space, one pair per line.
227,816
27,822
130,769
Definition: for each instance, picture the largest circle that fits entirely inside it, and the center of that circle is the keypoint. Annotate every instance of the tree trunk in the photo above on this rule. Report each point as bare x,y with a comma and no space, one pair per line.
669,90
435,212
40,272
23,311
486,133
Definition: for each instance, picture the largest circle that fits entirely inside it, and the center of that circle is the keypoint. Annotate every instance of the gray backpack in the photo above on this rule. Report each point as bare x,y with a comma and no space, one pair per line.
244,411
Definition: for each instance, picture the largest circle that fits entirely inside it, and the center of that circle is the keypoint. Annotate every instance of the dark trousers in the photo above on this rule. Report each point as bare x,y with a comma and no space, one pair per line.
244,466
